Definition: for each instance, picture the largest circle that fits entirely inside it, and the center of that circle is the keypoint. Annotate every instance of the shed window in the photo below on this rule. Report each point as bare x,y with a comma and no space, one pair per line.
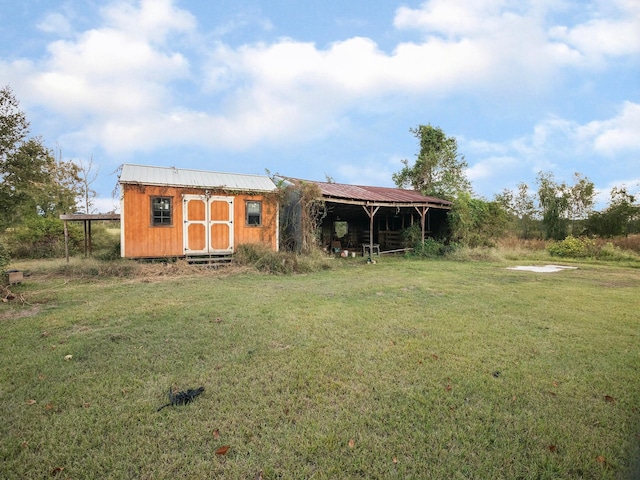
254,213
161,211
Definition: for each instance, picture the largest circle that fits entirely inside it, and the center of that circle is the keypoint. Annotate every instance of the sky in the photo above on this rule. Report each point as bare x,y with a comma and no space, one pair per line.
330,90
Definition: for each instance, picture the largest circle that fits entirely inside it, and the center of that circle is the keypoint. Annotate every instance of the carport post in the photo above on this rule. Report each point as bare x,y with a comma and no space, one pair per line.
371,212
423,216
66,241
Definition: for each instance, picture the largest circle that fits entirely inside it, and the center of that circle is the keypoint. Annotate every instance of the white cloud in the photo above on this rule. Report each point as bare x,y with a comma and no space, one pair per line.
562,146
613,30
452,18
490,166
55,23
116,80
119,70
374,172
616,135
152,21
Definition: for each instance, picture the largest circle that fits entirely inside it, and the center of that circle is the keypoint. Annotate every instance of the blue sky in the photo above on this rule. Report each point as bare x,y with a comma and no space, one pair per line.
331,89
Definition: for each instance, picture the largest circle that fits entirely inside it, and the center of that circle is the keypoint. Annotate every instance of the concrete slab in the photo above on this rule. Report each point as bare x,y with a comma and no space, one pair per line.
543,269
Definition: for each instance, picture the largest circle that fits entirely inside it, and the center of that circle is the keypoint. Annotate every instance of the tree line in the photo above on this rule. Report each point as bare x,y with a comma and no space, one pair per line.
37,186
553,210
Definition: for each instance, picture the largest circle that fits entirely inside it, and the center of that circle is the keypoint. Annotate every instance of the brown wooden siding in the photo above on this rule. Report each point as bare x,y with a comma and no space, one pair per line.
142,239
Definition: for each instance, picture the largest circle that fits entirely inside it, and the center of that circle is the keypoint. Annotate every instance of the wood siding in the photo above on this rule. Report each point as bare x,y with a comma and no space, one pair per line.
142,239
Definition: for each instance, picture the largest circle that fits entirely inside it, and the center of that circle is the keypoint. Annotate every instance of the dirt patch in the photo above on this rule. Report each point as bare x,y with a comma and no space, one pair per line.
15,314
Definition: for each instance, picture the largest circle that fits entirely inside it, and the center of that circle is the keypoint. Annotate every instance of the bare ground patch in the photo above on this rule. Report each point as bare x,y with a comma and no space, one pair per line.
16,314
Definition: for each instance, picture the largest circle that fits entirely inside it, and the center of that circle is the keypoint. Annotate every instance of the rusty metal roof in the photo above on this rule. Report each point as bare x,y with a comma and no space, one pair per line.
182,177
376,195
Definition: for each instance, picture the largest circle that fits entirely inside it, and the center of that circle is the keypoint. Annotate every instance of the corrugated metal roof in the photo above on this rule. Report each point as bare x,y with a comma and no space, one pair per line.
183,177
376,194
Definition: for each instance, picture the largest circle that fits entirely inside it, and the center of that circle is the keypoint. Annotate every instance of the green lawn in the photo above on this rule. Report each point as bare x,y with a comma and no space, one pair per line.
403,369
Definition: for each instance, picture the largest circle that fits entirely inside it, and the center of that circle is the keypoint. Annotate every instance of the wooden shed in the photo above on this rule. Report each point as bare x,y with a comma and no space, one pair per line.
176,212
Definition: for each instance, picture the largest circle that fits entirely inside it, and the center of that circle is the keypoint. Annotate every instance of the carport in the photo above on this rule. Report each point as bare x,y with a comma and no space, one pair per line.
376,216
86,219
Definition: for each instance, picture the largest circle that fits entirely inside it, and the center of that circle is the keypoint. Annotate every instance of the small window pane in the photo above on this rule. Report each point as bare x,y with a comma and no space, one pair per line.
254,213
161,211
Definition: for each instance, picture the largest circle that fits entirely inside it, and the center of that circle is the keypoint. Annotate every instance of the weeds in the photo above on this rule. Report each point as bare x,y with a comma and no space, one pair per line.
582,247
263,259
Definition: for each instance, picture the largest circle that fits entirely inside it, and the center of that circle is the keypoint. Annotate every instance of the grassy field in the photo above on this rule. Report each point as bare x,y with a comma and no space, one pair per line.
402,369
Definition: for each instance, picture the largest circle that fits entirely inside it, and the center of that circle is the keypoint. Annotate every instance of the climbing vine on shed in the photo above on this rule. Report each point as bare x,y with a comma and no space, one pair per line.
303,209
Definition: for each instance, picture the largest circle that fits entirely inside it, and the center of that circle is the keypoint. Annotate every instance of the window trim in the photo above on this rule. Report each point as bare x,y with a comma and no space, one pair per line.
259,215
154,223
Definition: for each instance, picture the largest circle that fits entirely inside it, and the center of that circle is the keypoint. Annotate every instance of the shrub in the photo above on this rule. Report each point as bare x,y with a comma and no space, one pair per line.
42,237
430,248
573,247
5,258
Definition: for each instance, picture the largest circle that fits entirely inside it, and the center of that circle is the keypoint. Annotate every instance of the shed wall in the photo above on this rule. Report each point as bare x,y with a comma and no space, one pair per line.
142,239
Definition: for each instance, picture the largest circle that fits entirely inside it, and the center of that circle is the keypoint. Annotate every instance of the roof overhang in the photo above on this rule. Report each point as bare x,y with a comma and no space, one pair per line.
79,217
390,204
369,196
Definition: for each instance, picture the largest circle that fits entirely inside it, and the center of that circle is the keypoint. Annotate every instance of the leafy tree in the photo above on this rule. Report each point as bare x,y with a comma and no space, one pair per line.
580,197
33,184
439,170
521,206
13,125
618,218
554,203
475,222
563,205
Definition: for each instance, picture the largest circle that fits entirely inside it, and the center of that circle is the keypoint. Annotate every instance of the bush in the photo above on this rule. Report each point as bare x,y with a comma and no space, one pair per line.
430,248
42,237
573,247
5,258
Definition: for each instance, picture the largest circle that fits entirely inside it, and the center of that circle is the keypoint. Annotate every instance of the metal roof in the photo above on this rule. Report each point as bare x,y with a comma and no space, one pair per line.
376,195
183,177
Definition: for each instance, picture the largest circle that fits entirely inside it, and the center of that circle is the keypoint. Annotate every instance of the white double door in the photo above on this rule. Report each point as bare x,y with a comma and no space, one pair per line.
208,224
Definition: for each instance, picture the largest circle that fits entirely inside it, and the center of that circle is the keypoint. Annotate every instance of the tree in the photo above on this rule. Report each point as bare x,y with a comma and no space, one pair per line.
580,197
563,205
87,177
476,222
618,217
13,126
554,203
439,170
521,206
33,184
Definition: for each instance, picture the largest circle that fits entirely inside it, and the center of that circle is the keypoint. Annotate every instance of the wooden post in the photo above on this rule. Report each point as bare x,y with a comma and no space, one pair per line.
423,214
371,214
66,241
85,237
